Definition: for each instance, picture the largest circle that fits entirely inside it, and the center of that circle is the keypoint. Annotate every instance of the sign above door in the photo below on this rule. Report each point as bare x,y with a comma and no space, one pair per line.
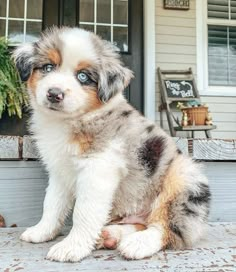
176,4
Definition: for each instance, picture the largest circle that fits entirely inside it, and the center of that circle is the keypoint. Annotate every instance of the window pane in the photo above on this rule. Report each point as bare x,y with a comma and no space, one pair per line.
232,71
218,70
120,11
218,9
33,30
15,31
120,38
232,41
233,9
222,55
104,32
218,55
2,28
69,16
3,8
104,11
16,8
34,9
88,27
217,40
86,11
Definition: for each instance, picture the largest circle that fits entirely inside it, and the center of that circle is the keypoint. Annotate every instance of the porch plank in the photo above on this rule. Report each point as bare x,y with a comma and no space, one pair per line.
209,150
29,148
9,147
217,252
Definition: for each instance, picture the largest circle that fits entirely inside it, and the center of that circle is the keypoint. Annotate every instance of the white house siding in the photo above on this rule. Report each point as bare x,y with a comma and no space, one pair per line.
176,49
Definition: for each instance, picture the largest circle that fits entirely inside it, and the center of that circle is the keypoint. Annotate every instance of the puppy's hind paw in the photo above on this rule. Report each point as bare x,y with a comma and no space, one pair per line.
140,245
107,240
112,234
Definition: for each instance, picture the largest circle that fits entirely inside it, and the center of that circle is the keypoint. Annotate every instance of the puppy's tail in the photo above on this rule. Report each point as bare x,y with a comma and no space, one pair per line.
182,207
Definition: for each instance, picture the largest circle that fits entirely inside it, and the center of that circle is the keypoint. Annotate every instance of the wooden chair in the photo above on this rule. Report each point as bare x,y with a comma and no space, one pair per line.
179,86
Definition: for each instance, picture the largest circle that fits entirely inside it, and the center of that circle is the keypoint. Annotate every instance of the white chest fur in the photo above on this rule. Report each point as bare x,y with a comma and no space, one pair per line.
54,143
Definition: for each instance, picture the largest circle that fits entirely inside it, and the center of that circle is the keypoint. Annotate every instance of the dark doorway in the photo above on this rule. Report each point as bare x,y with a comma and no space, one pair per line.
119,21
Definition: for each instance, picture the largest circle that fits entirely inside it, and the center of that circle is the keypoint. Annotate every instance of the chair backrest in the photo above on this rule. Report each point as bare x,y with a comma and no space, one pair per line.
177,85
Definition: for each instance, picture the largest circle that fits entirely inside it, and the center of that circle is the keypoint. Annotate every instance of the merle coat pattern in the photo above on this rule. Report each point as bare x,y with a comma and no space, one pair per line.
128,185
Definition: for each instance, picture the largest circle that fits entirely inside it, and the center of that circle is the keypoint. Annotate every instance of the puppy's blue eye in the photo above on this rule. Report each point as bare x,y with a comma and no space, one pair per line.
47,68
82,77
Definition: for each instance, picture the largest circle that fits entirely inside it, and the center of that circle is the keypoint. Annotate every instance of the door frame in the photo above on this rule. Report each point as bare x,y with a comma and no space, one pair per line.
149,60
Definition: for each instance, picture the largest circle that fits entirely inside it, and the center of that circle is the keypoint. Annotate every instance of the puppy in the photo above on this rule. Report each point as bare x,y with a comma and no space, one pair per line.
104,159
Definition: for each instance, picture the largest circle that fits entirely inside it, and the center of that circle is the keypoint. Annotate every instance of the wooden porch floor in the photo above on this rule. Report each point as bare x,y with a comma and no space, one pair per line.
217,252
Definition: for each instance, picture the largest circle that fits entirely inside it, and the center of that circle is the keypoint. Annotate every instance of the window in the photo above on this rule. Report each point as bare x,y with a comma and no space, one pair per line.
221,42
107,18
216,39
20,20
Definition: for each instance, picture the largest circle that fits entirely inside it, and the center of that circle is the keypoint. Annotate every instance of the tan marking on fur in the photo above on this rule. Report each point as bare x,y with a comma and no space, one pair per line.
172,186
115,220
33,80
139,227
83,65
84,140
93,102
2,222
54,56
67,91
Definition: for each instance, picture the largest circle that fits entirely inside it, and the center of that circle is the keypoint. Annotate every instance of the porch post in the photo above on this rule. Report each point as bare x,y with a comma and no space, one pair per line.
149,59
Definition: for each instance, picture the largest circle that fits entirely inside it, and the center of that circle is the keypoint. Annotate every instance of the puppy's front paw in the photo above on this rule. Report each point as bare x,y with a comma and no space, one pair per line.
67,251
38,234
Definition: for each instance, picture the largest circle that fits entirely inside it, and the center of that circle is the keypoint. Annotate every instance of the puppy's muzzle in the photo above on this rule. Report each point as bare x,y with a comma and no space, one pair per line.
55,95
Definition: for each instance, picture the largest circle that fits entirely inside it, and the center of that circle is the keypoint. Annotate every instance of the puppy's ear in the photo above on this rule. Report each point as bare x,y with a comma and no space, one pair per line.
23,57
114,77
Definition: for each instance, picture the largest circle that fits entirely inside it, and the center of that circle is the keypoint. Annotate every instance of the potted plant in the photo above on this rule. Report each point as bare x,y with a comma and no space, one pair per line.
13,95
194,114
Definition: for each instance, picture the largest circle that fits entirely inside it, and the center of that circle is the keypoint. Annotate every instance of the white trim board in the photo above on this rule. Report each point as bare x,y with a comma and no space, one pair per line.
149,59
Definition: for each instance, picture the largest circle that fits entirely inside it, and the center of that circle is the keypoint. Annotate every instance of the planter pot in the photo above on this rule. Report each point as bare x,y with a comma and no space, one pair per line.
14,126
197,115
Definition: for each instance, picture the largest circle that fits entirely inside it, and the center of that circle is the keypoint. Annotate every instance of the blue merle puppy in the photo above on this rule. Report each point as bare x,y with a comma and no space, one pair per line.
128,185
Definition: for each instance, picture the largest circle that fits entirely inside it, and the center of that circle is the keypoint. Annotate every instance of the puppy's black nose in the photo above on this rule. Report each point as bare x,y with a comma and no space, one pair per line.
55,95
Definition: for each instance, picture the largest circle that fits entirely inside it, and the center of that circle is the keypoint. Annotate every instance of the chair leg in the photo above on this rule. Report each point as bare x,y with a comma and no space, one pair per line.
161,119
208,133
192,133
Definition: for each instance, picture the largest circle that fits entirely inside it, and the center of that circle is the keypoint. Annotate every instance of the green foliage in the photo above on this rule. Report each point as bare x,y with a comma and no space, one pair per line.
13,95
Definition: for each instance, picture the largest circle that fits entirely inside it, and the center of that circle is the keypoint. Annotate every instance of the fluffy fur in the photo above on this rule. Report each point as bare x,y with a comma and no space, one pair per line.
104,159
